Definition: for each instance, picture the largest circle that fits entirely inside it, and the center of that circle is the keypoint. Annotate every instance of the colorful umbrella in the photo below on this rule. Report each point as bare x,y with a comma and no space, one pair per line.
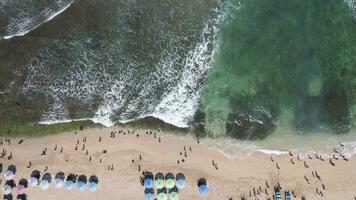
173,196
20,189
170,183
162,196
159,183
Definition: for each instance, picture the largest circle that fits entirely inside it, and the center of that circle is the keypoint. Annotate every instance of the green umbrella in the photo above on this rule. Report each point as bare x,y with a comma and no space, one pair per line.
162,196
173,196
170,183
159,183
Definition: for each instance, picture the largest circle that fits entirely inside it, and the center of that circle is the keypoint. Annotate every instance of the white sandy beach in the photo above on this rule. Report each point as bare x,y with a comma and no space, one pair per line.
233,178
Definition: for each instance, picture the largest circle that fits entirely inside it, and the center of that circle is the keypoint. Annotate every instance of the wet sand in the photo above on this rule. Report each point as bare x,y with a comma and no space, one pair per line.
232,177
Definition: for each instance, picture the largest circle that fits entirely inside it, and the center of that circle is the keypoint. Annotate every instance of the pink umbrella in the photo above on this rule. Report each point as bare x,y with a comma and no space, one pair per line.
20,189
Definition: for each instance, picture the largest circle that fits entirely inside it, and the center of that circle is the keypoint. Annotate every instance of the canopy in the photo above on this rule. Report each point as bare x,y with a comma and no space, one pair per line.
173,196
80,186
47,177
69,185
32,182
149,196
159,183
12,168
58,183
20,189
92,186
148,183
170,183
7,189
180,183
162,196
203,190
44,184
36,174
9,175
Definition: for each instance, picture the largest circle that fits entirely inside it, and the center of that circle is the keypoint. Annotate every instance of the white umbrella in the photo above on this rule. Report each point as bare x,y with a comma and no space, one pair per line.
58,183
7,189
32,182
44,184
9,175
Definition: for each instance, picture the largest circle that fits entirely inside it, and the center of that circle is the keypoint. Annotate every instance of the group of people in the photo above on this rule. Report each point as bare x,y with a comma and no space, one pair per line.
43,180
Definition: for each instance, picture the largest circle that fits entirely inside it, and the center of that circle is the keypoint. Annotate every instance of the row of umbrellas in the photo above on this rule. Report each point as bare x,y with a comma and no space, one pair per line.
162,194
160,180
59,180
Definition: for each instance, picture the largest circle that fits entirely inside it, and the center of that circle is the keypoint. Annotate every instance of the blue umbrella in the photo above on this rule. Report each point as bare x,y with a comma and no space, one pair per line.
149,196
180,183
69,185
92,186
203,190
148,183
80,186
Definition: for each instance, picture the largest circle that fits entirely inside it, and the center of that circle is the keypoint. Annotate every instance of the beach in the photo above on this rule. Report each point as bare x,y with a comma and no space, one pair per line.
119,175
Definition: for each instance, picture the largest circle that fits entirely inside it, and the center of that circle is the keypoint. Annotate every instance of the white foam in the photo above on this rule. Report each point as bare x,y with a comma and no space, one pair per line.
271,151
46,20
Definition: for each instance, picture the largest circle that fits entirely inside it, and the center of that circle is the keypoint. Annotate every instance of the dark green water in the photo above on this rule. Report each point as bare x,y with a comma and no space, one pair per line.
283,63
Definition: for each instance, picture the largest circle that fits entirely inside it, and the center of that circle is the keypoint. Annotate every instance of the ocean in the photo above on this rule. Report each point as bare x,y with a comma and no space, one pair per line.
261,75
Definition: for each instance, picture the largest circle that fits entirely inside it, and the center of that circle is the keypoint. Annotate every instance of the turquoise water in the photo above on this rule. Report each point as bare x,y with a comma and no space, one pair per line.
283,63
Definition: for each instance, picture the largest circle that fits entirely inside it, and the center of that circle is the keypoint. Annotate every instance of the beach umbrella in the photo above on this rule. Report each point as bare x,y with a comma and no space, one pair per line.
92,186
21,197
180,181
69,185
169,180
149,196
82,182
162,196
9,175
148,183
8,196
23,182
34,178
44,184
32,182
7,189
47,177
12,168
203,190
159,180
173,193
20,189
59,180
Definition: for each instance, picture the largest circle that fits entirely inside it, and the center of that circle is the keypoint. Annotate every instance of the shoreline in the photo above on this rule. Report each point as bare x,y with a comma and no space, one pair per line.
233,177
